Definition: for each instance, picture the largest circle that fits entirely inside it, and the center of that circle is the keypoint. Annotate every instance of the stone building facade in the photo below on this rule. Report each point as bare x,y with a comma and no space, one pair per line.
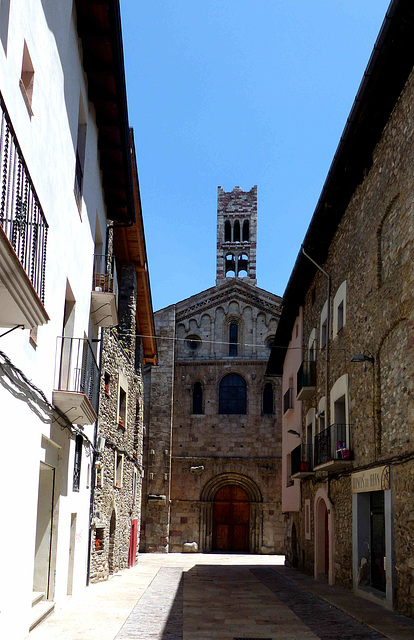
212,451
126,347
347,485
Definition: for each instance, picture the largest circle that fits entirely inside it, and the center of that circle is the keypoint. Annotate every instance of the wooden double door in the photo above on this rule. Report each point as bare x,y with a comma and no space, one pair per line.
231,515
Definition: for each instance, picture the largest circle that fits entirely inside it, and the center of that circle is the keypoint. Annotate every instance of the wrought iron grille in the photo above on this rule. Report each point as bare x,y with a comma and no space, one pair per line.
332,444
21,215
76,369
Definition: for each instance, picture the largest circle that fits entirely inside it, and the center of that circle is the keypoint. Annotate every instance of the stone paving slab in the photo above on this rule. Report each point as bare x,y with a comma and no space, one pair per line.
389,623
227,602
212,597
159,613
328,622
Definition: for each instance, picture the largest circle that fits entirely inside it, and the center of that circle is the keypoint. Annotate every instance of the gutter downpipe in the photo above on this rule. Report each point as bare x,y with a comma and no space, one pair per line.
328,331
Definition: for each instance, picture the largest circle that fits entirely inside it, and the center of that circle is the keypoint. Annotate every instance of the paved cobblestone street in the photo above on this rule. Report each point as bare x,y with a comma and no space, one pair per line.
218,597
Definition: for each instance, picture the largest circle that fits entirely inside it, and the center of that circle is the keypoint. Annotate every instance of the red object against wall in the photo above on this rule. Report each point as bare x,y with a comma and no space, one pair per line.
132,553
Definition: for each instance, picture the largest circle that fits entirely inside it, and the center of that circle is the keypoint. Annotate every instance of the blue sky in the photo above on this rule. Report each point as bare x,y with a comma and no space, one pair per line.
226,93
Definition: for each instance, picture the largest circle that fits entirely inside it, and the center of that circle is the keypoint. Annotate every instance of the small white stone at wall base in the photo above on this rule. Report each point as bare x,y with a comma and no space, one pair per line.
190,547
267,550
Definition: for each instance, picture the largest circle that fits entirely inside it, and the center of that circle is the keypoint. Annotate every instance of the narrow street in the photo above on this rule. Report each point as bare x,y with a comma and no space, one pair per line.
218,597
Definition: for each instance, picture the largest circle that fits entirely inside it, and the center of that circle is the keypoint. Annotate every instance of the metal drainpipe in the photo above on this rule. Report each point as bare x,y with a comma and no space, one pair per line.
328,330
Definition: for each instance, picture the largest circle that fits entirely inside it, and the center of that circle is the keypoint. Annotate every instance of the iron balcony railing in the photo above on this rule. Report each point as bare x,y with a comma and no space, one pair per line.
332,444
288,400
104,274
302,458
76,369
21,215
306,376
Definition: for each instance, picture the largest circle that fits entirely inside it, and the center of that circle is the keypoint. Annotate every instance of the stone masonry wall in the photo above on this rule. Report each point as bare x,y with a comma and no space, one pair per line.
116,505
157,456
372,251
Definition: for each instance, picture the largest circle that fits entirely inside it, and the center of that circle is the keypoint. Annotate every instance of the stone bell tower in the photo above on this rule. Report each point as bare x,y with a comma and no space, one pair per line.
236,235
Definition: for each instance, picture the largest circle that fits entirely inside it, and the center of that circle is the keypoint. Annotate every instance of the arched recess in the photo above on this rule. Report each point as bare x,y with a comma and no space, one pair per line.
324,537
207,503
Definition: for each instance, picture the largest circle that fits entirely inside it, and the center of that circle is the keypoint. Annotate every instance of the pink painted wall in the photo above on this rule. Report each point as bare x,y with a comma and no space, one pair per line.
292,419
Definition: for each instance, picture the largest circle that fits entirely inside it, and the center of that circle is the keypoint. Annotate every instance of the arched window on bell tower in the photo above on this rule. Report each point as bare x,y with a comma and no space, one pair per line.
242,265
227,231
230,265
246,235
236,231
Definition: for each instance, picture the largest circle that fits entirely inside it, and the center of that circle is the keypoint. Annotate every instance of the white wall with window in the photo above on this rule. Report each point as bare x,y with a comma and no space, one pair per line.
42,81
291,416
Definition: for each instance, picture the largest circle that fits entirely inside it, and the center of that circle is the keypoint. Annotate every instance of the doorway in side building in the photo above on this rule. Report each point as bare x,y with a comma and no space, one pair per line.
231,517
44,561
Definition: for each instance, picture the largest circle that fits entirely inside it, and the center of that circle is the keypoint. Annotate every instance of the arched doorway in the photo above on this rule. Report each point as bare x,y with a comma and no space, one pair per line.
253,506
323,538
231,516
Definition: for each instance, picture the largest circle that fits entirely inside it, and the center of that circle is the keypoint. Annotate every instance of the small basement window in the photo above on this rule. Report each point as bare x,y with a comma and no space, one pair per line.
119,469
122,403
107,384
99,539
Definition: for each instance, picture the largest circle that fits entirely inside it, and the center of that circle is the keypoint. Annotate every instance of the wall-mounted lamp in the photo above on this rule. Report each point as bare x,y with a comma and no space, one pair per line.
294,433
363,357
368,357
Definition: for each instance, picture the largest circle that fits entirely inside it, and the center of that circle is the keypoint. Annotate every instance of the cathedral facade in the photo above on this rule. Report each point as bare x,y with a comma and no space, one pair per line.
212,453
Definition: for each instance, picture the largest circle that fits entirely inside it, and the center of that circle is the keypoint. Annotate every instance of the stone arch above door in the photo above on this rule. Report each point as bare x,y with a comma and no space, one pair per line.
207,496
214,484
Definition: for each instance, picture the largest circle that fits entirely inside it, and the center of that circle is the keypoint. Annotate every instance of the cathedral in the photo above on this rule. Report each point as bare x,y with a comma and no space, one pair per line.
212,443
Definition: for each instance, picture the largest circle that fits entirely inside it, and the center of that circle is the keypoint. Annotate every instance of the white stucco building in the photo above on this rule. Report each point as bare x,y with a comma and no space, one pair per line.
65,171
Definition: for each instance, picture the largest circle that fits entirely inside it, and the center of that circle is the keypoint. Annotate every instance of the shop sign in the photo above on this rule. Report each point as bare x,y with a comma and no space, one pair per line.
377,479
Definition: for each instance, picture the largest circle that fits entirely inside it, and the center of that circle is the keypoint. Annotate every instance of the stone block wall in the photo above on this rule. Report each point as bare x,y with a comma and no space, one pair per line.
188,456
372,251
117,504
157,453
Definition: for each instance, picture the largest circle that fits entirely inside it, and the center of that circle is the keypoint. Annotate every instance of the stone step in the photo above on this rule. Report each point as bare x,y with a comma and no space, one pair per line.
40,611
37,596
